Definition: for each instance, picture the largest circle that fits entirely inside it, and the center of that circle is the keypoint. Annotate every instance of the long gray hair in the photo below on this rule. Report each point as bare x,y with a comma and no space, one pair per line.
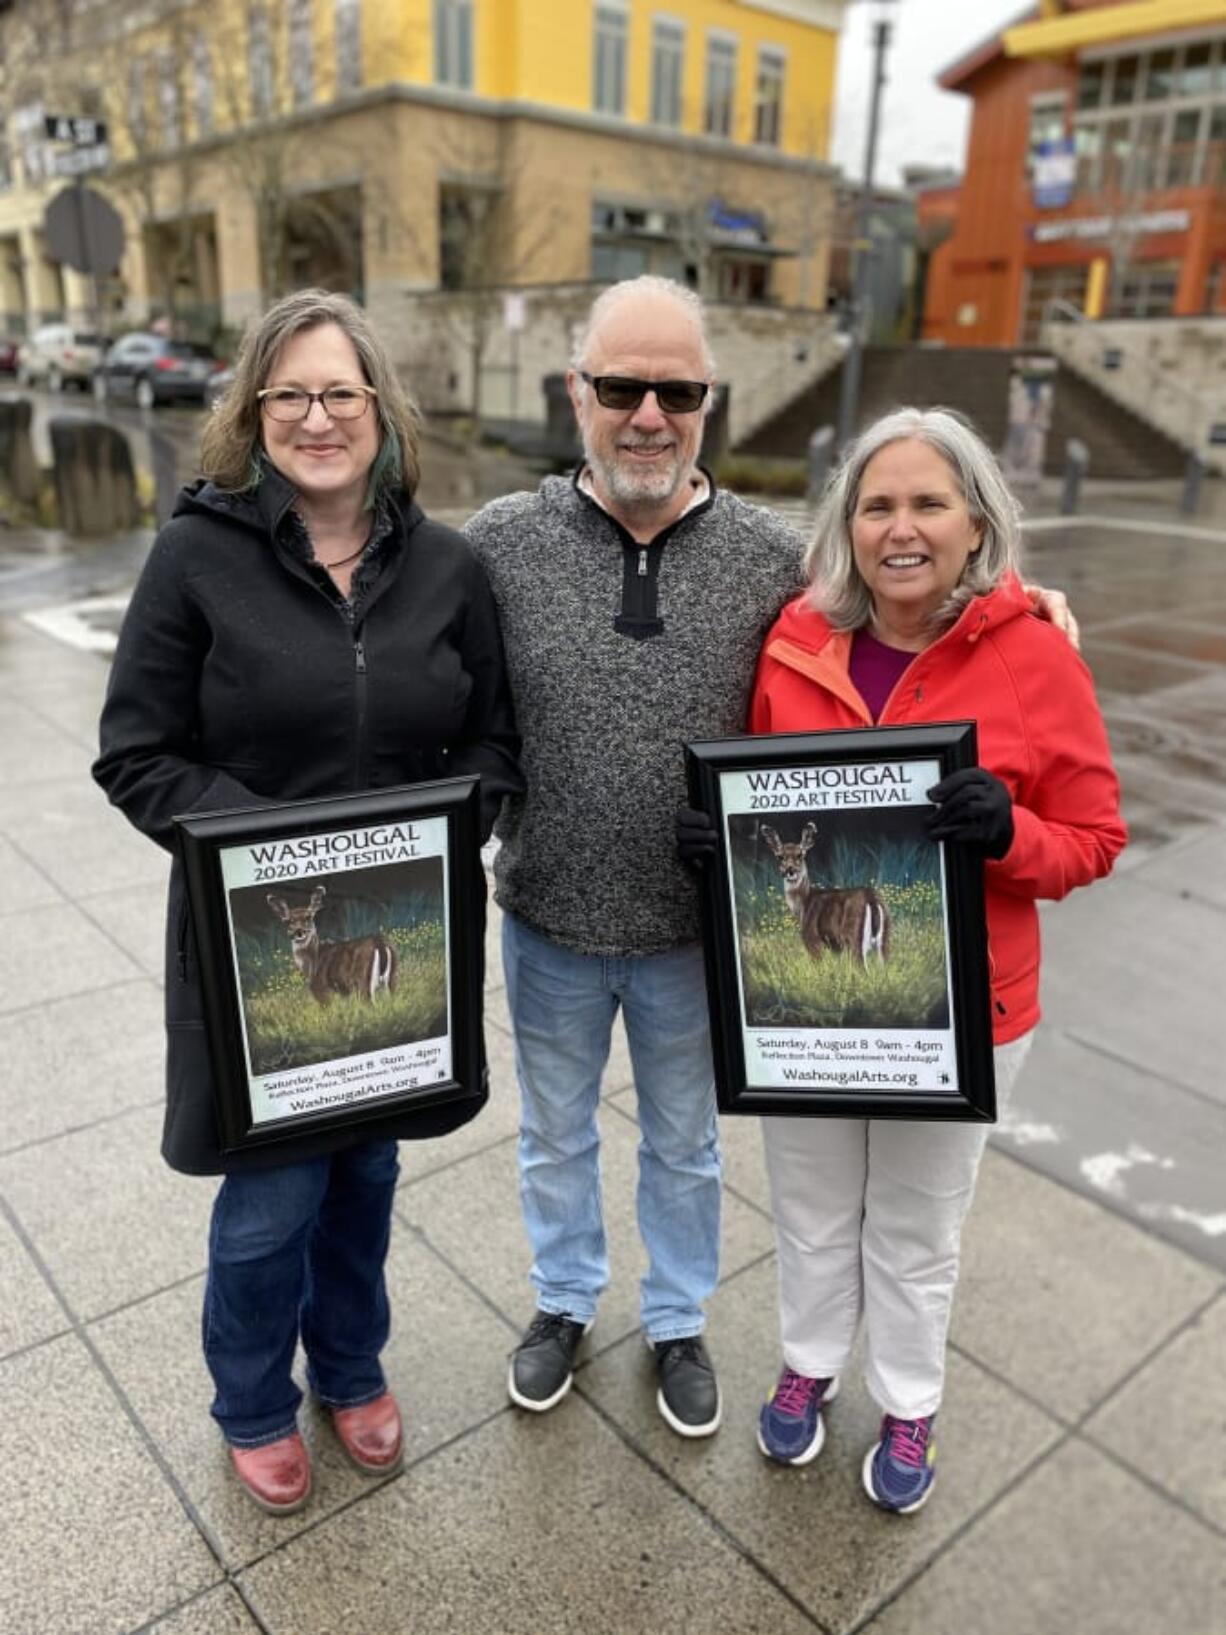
836,587
233,436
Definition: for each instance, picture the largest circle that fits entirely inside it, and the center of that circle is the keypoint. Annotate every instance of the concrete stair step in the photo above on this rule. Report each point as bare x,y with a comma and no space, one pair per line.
975,381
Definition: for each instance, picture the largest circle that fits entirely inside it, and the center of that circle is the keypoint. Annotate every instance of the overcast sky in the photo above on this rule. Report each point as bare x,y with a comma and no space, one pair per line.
920,124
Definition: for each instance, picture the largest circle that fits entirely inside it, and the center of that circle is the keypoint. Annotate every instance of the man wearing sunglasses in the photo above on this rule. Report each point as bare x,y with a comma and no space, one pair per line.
633,598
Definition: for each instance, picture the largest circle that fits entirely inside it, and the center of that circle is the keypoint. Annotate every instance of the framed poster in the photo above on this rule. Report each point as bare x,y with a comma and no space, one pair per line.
340,946
846,952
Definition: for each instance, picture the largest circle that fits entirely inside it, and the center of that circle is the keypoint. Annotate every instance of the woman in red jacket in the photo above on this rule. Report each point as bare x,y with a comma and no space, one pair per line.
915,614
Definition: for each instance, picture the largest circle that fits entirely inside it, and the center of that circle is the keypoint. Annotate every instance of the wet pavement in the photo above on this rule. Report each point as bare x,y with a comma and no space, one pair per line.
1082,1439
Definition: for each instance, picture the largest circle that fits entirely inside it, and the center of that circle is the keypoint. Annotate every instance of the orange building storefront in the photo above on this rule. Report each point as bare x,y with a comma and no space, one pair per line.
1095,172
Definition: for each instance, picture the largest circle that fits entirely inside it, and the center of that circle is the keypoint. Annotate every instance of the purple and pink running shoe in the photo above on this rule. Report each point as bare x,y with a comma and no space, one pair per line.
790,1427
900,1470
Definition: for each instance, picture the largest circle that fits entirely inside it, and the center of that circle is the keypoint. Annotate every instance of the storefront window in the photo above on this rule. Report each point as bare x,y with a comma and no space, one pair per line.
1044,284
1149,120
1118,171
1146,290
1196,74
1090,85
1182,168
1150,156
1161,76
1047,122
1089,139
1123,81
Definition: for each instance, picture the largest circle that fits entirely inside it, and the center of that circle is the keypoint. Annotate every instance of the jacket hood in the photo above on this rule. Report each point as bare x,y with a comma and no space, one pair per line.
260,509
801,624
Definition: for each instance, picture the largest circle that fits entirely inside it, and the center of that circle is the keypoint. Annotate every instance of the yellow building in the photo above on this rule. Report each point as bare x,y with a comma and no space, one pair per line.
389,147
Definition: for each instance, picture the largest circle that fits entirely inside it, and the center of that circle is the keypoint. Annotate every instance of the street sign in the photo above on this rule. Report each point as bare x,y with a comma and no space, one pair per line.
84,231
73,128
79,161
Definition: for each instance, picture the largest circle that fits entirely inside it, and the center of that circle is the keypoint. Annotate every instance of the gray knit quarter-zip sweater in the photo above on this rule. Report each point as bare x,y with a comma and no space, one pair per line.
618,654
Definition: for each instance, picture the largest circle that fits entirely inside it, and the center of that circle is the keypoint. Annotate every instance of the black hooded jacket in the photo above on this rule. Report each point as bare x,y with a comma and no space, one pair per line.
239,681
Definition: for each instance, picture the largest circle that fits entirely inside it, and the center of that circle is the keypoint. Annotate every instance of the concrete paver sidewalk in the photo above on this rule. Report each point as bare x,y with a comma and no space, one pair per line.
1082,1451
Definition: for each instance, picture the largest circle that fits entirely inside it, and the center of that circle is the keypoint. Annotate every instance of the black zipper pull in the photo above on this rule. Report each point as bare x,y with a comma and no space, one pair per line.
359,656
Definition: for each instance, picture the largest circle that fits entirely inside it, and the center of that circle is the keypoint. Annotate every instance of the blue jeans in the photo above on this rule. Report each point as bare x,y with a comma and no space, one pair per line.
298,1249
562,1007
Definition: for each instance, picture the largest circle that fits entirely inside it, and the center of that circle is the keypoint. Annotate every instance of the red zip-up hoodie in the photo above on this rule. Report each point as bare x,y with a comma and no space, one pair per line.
1039,731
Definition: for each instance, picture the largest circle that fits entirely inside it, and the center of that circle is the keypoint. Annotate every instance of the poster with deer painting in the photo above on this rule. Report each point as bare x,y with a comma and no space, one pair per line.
340,955
846,951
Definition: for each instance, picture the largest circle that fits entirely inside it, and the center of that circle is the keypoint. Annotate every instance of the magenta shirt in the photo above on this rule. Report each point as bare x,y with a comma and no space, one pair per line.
875,670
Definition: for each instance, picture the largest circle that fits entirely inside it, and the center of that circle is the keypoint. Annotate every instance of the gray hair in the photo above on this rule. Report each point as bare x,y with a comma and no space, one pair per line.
836,588
232,440
648,284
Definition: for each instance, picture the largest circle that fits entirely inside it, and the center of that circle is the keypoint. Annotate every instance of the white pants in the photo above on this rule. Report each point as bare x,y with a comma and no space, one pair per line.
868,1220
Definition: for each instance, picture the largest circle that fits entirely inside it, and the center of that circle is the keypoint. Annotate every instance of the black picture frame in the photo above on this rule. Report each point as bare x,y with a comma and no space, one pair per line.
340,947
848,978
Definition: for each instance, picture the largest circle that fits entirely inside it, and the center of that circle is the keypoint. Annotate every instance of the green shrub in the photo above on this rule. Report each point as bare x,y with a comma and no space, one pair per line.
751,474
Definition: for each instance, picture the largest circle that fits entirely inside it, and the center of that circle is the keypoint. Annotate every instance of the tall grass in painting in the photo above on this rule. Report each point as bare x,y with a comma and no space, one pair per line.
287,1027
786,986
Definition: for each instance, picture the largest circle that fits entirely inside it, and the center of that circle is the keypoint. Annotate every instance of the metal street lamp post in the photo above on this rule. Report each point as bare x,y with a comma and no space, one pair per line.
861,266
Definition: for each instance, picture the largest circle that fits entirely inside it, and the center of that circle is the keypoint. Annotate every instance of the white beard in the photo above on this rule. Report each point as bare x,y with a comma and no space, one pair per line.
628,486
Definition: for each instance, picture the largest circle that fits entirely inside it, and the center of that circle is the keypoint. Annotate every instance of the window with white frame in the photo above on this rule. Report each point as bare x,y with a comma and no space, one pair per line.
348,19
1145,120
1048,122
1146,290
667,62
768,97
301,53
453,43
31,141
612,29
720,108
259,60
202,86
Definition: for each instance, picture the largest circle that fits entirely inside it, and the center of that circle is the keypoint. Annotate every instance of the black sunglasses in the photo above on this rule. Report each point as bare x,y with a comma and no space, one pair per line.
624,393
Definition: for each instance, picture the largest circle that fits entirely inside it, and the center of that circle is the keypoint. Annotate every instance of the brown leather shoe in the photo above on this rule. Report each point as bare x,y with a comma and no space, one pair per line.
277,1476
372,1435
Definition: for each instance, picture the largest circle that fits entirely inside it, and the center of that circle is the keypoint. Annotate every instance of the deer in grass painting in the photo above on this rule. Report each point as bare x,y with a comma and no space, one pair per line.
851,920
365,966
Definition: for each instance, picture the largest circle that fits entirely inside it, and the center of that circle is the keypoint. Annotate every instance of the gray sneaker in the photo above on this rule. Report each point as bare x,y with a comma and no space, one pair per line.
688,1396
543,1364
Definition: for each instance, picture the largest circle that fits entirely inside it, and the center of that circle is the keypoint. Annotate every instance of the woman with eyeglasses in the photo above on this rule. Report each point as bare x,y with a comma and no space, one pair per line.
300,629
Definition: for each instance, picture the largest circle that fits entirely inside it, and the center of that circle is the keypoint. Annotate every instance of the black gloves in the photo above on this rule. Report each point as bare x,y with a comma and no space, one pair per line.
697,837
974,807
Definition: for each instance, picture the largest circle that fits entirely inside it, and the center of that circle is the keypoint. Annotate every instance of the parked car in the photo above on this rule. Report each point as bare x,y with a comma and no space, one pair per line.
220,384
154,369
8,354
56,355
